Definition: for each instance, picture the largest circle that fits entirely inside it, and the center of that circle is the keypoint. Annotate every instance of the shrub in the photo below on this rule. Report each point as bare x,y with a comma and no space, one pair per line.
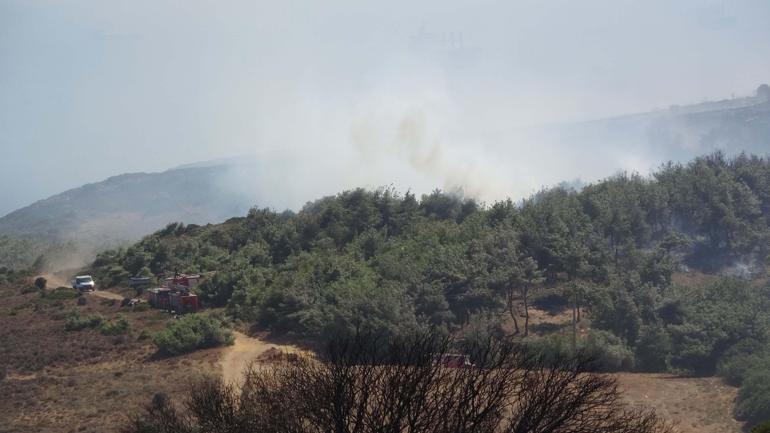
29,289
40,283
753,402
118,326
191,332
82,300
60,293
653,349
76,322
549,348
608,351
741,359
761,428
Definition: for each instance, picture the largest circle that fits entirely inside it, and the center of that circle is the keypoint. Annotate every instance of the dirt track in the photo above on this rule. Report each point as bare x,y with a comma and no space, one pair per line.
106,295
53,280
237,357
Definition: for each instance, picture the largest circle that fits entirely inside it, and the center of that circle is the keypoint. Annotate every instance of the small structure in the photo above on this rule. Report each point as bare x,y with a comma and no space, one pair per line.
182,281
159,298
176,295
183,302
139,284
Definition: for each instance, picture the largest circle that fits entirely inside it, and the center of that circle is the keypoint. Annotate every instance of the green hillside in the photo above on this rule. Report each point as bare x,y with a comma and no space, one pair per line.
392,263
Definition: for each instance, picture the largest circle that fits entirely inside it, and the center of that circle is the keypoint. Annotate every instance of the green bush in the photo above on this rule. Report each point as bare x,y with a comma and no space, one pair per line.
753,402
551,347
191,332
608,351
144,335
40,283
29,289
117,326
76,322
761,428
60,293
735,368
653,349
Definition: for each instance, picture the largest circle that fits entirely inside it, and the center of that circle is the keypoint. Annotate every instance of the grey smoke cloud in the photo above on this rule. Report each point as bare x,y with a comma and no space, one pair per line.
339,94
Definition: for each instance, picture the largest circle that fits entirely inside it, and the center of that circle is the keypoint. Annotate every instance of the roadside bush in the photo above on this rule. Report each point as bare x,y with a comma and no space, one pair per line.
40,283
76,322
29,289
60,293
191,332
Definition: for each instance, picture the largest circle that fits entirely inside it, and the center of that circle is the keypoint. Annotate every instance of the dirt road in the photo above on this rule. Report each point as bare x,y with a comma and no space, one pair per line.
53,280
237,357
106,295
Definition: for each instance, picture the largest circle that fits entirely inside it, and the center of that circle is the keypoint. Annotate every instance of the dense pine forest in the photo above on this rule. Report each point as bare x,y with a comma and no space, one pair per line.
391,262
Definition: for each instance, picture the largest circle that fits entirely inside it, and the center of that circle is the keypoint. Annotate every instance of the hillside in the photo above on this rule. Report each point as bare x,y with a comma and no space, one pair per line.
621,252
733,126
124,208
678,133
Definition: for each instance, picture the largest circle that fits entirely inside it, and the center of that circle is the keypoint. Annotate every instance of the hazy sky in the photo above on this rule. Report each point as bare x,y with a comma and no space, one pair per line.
347,93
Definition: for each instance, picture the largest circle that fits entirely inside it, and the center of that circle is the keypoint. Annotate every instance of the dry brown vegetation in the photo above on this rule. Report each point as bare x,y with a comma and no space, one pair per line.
694,405
82,381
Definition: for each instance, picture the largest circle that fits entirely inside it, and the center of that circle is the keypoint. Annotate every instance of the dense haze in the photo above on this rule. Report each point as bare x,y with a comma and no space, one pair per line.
337,94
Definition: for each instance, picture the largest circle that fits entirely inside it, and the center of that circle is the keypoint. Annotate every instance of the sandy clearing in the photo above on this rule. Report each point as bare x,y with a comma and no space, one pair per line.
236,358
696,405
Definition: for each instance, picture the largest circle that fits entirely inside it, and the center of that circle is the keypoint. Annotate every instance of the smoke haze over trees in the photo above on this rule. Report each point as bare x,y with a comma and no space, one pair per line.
359,95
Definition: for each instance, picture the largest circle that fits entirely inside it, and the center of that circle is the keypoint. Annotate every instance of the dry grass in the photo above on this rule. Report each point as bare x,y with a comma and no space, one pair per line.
64,381
695,405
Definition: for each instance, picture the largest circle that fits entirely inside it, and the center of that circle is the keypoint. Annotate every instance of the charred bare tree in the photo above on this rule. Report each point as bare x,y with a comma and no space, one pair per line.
401,385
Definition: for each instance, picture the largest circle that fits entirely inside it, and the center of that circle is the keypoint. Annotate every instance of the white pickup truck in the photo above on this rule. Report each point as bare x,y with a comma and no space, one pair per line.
83,283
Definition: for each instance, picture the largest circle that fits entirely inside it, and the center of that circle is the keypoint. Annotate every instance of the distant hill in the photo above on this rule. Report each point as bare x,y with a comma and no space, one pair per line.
126,207
678,133
729,125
